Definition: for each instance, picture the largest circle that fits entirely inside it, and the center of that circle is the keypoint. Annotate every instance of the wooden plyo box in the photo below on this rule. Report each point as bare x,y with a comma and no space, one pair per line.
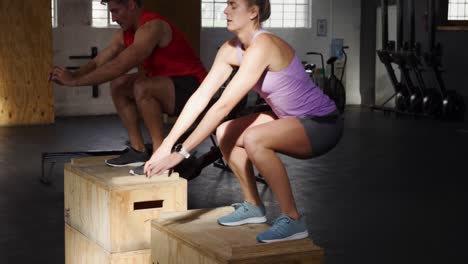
194,237
81,250
114,209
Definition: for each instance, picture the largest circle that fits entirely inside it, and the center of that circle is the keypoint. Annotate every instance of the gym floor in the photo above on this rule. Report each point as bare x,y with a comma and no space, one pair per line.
392,191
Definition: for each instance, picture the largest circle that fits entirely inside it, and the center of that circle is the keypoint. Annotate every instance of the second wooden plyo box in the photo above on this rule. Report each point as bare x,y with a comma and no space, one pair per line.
195,237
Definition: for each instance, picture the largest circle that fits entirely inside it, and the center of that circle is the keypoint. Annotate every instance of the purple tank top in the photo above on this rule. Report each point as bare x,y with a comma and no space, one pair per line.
290,92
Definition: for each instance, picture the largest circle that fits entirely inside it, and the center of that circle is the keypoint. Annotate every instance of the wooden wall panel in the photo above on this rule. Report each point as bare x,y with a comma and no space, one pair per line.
26,97
185,14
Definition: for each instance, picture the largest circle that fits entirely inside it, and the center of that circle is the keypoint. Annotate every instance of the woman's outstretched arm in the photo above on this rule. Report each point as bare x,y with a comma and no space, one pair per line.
255,61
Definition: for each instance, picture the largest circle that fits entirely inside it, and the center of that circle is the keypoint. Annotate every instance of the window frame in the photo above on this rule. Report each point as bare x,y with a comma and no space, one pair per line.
110,24
307,19
54,13
442,17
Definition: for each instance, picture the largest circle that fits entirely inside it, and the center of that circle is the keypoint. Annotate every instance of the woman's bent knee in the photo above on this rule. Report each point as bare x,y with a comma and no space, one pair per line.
221,131
252,141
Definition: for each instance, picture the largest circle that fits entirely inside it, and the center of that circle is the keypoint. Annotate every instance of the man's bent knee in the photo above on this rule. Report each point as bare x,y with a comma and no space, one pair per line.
141,89
121,86
145,87
160,89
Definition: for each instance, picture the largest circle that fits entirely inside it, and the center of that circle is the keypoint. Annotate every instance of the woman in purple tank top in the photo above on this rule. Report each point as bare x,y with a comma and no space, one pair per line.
303,123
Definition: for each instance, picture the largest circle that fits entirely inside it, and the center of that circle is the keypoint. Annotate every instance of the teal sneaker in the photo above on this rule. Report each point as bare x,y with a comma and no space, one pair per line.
284,228
245,213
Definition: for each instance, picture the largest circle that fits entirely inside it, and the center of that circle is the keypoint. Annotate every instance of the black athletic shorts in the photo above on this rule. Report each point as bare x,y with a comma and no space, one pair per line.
185,86
324,132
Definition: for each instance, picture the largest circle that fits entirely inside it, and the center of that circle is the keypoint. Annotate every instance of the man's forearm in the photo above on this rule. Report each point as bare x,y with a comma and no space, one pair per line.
105,73
84,69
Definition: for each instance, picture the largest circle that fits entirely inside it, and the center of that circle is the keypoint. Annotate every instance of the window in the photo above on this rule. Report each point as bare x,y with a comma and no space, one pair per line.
213,13
284,14
452,13
457,10
54,13
289,14
101,17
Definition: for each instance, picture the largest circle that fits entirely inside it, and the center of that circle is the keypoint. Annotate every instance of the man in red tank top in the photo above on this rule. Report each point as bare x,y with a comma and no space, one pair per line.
172,73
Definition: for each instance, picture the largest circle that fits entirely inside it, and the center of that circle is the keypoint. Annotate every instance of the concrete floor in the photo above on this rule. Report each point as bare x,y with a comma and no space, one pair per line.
392,191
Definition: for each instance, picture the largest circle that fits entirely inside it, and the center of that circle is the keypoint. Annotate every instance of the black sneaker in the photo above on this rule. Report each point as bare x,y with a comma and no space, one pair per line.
140,170
188,168
130,157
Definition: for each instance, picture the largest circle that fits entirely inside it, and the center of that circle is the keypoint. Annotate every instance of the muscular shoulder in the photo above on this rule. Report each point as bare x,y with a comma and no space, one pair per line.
118,38
229,46
267,42
155,26
276,52
157,32
228,51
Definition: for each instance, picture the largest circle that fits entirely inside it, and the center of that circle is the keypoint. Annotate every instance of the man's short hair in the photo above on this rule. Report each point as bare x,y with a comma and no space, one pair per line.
125,2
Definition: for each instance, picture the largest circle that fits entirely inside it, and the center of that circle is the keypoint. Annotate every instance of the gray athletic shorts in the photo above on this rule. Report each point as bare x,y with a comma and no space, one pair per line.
324,132
184,86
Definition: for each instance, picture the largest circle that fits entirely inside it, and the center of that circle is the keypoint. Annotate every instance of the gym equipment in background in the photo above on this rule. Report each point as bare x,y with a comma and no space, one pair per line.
420,99
331,85
453,105
310,70
388,55
428,101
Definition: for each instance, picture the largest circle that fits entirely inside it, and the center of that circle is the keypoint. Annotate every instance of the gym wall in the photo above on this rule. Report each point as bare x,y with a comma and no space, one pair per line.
346,23
75,36
183,14
25,59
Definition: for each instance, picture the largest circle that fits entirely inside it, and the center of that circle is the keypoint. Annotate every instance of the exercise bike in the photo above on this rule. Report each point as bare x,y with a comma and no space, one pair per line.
331,85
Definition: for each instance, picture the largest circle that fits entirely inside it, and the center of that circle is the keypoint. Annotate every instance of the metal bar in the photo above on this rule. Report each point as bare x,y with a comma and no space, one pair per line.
74,57
384,24
412,23
399,41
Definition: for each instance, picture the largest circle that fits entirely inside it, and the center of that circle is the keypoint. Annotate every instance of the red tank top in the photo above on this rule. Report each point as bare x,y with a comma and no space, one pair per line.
176,59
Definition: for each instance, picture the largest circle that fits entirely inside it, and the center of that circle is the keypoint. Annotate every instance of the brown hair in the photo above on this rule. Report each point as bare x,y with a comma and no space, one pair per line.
264,10
125,2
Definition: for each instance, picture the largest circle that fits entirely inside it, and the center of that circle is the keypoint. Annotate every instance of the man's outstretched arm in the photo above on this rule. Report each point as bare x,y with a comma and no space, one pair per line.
147,37
110,52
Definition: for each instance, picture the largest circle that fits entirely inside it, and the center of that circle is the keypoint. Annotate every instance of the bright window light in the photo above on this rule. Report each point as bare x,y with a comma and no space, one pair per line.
284,14
101,17
54,13
458,10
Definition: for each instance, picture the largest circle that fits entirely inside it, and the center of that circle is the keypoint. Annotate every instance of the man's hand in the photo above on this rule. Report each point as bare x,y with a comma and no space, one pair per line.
62,76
